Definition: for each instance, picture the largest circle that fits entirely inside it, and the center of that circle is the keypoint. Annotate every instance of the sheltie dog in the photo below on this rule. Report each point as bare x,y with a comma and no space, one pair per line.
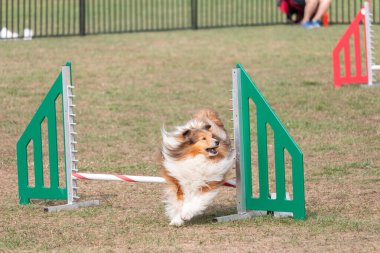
196,159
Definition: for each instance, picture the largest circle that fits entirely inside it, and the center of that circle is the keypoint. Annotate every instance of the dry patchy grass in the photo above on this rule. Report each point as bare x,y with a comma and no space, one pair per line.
129,85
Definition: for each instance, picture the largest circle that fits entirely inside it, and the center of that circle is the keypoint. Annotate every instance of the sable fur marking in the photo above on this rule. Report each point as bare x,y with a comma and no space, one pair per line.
196,158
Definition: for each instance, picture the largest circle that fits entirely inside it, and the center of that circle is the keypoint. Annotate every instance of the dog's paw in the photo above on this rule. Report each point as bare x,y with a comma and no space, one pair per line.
187,215
177,221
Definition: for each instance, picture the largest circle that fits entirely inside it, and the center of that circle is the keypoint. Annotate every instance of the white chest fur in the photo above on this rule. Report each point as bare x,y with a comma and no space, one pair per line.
197,171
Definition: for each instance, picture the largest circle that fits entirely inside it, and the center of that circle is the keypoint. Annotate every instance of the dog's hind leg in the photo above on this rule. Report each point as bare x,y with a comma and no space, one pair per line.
196,203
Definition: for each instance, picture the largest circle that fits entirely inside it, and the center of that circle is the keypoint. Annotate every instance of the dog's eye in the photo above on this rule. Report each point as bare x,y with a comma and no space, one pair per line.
204,138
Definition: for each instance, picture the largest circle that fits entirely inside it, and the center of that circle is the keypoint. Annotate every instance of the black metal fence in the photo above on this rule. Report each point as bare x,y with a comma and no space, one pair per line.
48,18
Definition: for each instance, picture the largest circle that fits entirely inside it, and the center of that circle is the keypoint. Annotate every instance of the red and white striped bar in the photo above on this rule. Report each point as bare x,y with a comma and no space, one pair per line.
131,179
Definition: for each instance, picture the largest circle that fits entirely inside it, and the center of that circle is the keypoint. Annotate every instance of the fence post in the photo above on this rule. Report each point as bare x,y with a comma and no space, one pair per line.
82,17
194,14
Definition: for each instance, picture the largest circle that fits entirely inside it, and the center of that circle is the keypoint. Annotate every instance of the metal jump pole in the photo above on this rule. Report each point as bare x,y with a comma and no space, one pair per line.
371,66
70,144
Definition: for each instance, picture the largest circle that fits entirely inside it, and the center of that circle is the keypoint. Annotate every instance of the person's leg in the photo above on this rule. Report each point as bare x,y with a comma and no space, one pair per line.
310,8
322,8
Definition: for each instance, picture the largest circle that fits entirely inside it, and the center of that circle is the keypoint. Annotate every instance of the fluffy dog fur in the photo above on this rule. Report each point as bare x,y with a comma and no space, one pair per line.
196,158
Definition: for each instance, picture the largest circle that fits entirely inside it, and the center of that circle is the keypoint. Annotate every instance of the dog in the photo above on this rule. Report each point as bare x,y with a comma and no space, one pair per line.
196,159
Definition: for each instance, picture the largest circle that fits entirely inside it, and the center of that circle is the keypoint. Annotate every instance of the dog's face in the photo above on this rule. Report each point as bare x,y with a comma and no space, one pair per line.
201,141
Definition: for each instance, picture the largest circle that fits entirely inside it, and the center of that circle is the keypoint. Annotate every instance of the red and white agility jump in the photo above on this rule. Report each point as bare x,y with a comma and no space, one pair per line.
355,74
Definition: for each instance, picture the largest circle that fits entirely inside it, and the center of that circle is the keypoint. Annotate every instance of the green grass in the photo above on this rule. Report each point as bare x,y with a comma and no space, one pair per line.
128,86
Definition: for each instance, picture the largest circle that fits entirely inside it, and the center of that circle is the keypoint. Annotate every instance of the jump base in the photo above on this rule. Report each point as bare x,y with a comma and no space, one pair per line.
255,213
54,209
251,214
371,86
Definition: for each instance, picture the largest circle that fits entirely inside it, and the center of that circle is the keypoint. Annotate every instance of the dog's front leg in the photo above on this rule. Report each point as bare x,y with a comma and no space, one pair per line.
173,208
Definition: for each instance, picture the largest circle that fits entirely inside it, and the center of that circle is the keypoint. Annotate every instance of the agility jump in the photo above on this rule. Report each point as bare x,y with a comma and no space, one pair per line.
353,71
247,205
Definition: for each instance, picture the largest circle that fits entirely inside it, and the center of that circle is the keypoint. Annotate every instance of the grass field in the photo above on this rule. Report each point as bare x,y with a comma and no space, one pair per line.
128,86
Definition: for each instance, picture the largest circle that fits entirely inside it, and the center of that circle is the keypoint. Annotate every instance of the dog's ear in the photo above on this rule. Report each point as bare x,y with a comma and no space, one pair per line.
188,136
186,133
207,127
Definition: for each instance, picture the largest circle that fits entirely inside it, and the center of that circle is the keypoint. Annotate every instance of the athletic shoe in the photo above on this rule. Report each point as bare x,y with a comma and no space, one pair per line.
316,24
308,25
311,24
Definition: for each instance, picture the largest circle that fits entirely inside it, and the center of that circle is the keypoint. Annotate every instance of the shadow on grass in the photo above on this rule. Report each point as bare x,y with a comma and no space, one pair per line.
208,217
